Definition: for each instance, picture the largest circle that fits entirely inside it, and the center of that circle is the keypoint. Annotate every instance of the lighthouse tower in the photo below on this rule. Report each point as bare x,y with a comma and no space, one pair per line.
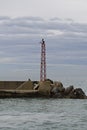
43,61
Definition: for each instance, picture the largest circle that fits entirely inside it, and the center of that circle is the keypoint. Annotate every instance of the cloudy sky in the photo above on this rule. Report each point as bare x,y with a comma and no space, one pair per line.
63,25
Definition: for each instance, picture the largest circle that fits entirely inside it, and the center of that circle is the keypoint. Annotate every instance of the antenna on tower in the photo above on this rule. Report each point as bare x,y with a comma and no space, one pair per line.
43,61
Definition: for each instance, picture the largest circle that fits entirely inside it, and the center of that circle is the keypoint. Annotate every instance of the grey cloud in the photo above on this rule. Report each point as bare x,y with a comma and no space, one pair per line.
22,34
56,19
69,20
29,18
4,18
36,25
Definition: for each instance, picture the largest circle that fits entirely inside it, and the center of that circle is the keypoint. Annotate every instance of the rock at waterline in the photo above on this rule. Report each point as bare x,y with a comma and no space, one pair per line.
57,90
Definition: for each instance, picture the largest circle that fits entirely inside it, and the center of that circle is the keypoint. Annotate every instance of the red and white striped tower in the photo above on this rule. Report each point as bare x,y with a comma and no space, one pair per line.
43,61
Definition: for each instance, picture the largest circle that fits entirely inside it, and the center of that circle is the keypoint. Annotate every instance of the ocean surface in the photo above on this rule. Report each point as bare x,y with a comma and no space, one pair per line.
43,113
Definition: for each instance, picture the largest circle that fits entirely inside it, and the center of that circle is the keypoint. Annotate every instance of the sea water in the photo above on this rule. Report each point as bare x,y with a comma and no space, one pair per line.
44,113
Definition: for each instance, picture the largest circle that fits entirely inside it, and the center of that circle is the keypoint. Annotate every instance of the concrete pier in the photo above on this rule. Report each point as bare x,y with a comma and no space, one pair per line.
10,84
18,93
17,89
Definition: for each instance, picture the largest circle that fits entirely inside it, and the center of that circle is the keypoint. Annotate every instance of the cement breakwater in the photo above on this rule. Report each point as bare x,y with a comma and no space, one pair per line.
7,85
46,88
17,89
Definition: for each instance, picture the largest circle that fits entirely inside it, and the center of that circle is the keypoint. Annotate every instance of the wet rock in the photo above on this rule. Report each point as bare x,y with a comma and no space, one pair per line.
77,93
49,81
58,86
57,90
54,90
68,90
55,93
